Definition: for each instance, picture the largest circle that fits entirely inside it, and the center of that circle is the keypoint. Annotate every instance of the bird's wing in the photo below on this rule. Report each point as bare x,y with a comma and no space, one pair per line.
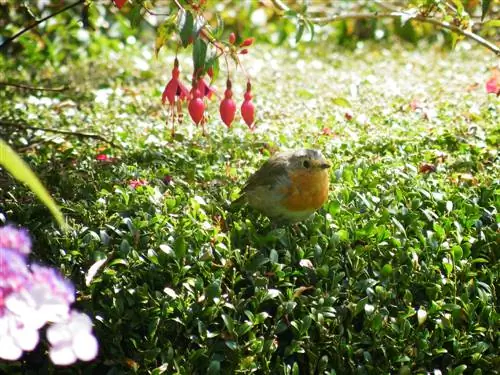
269,175
273,173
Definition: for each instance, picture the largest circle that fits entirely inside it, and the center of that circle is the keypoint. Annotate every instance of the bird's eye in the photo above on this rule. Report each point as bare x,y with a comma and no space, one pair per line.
306,164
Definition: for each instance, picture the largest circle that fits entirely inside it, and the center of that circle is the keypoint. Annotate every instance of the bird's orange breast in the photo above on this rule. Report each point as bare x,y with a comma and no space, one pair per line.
308,190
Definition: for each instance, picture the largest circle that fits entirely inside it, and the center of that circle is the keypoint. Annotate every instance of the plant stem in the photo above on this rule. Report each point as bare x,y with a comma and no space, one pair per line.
57,131
34,88
36,23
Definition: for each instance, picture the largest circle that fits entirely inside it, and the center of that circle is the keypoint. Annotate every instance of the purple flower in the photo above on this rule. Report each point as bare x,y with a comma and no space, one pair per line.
14,275
15,239
32,296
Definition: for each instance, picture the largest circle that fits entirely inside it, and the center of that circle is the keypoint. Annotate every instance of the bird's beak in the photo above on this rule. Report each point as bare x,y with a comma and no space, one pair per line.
325,165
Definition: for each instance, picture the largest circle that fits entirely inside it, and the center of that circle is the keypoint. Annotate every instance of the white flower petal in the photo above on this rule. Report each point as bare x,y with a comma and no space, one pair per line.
80,322
8,349
54,311
26,338
59,334
62,355
4,325
20,303
85,346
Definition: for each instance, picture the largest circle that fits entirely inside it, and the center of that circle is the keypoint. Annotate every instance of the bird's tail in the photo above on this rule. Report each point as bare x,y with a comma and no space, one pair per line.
237,203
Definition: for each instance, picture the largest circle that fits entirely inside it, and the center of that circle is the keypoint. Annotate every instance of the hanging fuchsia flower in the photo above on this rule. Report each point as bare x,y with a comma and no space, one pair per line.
227,107
204,88
174,88
32,296
247,108
196,106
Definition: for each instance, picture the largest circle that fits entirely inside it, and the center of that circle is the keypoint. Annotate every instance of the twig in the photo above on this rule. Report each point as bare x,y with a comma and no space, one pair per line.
36,23
417,17
34,88
153,13
58,131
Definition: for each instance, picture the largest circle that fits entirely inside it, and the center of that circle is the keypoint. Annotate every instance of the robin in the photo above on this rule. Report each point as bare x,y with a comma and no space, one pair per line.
289,187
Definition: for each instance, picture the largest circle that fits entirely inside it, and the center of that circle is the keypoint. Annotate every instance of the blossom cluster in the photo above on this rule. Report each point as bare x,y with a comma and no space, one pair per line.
33,295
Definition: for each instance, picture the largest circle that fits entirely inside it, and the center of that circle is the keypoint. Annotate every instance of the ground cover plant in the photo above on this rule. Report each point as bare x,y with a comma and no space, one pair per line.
397,273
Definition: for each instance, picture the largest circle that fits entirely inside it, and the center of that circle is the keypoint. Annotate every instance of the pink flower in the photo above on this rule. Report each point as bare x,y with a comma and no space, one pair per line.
15,239
174,88
204,88
32,296
492,84
134,184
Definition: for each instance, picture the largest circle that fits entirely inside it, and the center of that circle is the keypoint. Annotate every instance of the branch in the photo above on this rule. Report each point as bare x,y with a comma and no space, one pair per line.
58,131
417,17
26,87
36,23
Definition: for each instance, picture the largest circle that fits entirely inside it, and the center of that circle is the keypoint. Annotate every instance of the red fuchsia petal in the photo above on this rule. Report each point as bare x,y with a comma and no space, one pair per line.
205,89
243,51
232,38
227,108
247,42
119,3
170,92
174,87
247,108
492,86
248,112
182,91
196,108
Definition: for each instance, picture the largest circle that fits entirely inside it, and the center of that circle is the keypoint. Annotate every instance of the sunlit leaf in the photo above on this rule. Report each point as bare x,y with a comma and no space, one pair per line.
341,102
485,7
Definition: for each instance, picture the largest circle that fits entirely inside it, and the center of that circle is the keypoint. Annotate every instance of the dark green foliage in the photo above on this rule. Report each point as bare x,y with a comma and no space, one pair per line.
398,273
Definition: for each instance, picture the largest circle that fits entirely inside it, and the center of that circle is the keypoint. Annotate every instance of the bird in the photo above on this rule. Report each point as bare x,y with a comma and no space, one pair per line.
289,187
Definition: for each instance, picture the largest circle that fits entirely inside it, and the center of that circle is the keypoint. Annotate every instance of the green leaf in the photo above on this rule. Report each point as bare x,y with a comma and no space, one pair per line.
164,32
300,32
214,368
180,247
213,290
459,6
492,23
228,322
485,6
386,270
135,15
219,28
310,27
186,25
341,102
22,172
199,55
457,252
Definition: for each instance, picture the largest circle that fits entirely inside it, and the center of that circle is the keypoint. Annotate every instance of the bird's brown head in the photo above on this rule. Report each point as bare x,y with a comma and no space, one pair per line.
308,160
